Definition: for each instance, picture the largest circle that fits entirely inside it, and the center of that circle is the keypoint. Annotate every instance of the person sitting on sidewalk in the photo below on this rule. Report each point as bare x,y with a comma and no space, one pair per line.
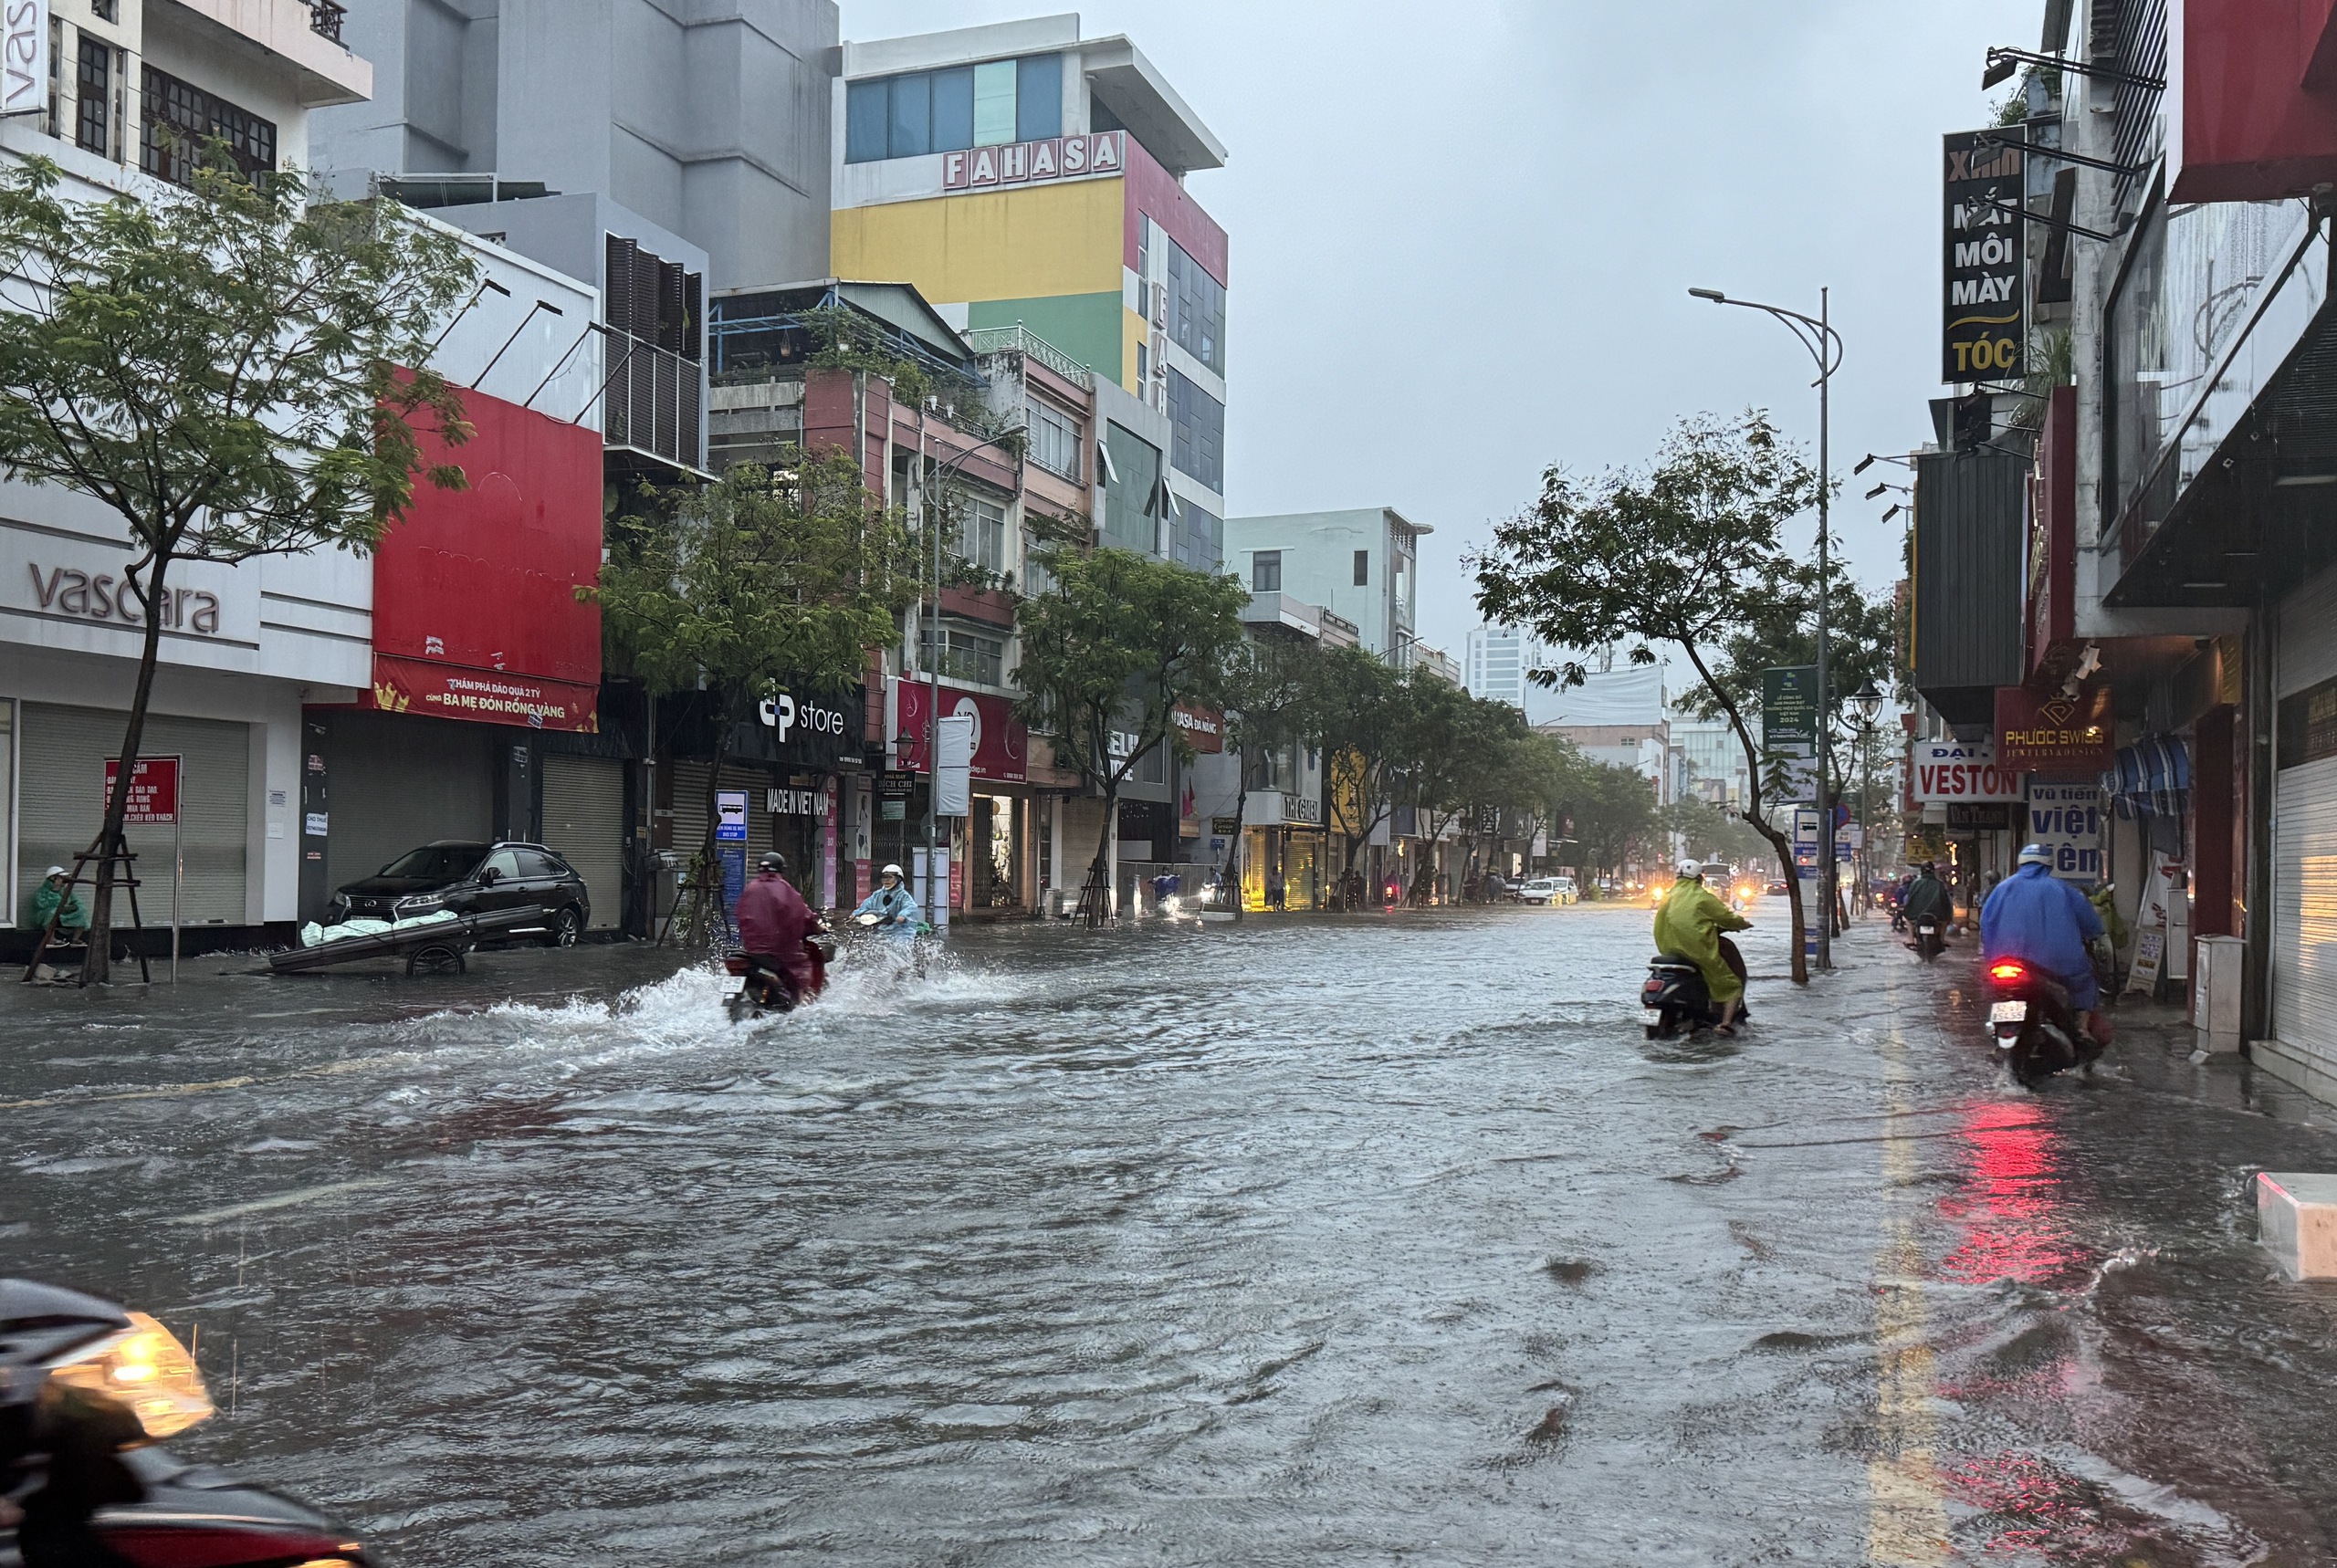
1688,924
54,901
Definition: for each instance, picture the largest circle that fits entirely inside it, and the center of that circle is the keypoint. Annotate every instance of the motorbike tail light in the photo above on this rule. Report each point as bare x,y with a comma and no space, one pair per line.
735,964
226,1545
2008,971
145,1369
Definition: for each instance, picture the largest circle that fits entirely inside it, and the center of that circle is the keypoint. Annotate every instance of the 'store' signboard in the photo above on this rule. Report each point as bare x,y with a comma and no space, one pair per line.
1961,770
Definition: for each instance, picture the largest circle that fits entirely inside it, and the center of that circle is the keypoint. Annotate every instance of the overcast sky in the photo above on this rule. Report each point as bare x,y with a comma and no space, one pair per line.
1463,234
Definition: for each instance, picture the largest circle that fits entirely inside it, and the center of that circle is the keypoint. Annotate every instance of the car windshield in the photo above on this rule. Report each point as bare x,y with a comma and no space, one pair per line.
436,863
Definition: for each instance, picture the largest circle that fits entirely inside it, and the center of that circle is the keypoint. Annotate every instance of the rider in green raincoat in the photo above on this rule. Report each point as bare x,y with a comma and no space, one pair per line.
1689,923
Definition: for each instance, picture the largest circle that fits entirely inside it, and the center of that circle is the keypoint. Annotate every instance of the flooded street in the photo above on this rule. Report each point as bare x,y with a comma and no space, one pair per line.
1337,1241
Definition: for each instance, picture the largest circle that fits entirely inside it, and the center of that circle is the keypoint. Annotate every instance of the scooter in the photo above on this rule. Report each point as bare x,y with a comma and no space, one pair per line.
86,1389
1928,942
761,992
2034,1030
1675,994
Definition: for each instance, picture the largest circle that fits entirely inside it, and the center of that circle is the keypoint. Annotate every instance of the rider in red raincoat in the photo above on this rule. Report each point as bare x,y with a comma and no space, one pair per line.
773,920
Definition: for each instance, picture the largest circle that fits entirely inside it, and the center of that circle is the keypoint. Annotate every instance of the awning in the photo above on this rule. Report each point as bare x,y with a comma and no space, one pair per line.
2150,778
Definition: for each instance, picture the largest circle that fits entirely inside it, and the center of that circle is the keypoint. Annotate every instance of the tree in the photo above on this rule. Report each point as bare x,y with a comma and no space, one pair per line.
1614,814
1678,554
1358,714
756,579
1709,833
1109,650
233,370
1270,709
1450,745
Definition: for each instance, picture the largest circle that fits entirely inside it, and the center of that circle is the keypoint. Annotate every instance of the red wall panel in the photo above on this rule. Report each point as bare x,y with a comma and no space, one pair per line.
1154,191
2250,111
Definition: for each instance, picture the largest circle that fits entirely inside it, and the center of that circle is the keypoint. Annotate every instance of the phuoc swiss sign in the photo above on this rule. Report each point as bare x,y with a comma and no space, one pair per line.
1961,770
1983,277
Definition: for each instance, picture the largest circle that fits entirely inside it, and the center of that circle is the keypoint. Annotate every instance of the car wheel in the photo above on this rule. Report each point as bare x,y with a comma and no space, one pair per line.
566,926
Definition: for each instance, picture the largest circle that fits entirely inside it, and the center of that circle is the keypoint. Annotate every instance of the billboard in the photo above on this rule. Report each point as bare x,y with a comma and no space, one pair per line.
1983,272
1002,748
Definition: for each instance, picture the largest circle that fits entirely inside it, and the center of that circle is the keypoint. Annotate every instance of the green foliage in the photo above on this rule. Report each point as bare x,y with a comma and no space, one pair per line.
1358,716
1686,553
1712,834
232,370
1117,641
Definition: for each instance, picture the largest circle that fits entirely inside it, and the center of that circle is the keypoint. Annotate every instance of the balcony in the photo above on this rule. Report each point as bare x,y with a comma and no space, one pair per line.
324,18
304,35
1020,339
653,402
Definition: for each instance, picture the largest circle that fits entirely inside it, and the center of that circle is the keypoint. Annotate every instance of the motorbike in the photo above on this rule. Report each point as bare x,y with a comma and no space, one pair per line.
1675,994
2035,1032
1928,942
87,1389
762,992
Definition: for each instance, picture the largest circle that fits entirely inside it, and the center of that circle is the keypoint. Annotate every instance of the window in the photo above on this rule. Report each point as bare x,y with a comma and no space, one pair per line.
94,82
985,105
1053,439
1131,494
982,534
1201,538
1266,571
536,864
106,10
1196,310
176,117
1198,423
966,656
1363,569
503,863
1037,98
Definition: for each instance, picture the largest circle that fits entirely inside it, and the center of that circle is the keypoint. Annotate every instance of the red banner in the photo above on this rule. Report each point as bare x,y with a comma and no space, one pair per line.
1002,746
153,791
483,697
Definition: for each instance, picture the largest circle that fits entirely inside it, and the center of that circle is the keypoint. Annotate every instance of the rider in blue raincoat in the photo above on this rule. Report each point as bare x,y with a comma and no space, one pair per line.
895,907
2036,917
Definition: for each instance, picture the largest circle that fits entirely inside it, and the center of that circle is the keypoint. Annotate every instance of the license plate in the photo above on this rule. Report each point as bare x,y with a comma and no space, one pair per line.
1653,1015
2008,1012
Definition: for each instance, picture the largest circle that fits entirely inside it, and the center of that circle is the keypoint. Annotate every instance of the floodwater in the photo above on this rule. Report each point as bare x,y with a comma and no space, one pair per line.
1380,1240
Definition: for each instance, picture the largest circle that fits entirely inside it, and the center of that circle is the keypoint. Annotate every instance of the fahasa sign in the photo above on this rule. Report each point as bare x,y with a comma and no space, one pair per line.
1023,162
1961,770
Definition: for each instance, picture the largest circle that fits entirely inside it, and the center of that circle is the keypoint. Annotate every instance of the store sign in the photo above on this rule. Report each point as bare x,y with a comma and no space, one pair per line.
1203,728
449,691
2066,819
24,57
2060,732
1949,771
1302,809
1983,275
796,725
793,802
1025,163
153,791
1002,748
103,598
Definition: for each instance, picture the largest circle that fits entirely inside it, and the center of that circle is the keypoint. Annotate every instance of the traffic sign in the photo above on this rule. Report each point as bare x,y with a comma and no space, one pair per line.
153,791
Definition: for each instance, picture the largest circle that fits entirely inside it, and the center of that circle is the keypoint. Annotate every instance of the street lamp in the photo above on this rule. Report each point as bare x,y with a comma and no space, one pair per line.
1816,334
1868,705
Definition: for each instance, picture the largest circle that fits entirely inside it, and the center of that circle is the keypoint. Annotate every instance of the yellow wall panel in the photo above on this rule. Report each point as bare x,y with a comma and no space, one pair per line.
1139,333
996,244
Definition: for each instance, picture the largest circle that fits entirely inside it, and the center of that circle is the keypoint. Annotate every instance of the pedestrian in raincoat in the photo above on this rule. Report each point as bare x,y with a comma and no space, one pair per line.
1689,923
54,899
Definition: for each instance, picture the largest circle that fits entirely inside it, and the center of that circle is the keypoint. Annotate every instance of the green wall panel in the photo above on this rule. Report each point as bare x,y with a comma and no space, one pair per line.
1085,326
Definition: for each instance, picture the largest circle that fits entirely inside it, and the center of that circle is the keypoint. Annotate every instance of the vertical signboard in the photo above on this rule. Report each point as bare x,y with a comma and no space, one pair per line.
2066,819
1983,273
24,57
1789,728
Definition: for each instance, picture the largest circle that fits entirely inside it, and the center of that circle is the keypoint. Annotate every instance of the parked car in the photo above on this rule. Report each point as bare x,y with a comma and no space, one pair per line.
1547,889
472,878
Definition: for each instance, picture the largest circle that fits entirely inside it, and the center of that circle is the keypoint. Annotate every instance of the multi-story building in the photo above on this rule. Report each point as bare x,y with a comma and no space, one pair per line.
1362,565
1712,759
463,627
1024,177
1498,662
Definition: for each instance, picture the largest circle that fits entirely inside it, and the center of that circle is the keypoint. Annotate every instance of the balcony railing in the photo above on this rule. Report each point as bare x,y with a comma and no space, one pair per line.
652,401
1020,339
324,18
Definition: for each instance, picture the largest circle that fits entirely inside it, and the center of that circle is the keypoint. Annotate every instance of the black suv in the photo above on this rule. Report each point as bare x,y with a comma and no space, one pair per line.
472,879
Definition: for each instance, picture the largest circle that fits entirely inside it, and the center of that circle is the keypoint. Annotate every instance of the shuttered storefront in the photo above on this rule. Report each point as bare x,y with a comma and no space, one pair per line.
398,782
583,820
2304,829
62,798
689,807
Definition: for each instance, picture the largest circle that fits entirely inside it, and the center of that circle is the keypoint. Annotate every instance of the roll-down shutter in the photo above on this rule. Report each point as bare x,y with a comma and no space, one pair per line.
63,800
398,782
689,807
584,823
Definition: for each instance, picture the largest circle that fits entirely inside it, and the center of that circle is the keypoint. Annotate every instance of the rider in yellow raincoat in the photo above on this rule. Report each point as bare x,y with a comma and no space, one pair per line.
1689,923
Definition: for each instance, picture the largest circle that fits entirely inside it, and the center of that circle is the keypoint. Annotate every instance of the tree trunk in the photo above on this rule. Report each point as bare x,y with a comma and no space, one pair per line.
709,876
98,959
1241,836
1096,895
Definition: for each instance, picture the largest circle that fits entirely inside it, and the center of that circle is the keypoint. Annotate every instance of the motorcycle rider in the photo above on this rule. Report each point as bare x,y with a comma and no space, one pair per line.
2036,917
773,920
894,905
1689,923
1926,899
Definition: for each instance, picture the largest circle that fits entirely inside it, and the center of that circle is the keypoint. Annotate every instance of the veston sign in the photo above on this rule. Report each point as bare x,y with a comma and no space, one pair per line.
1961,770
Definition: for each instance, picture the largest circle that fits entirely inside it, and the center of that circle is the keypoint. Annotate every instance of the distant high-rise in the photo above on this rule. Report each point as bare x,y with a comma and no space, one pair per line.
1498,662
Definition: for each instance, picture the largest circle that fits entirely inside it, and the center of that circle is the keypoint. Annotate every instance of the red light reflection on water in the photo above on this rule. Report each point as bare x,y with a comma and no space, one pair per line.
2012,1201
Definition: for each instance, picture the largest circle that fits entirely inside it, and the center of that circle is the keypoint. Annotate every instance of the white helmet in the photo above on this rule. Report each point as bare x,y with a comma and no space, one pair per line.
894,870
2036,854
1691,868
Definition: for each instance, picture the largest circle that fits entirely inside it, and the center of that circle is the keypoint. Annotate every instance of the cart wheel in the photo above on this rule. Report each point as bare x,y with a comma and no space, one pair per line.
438,959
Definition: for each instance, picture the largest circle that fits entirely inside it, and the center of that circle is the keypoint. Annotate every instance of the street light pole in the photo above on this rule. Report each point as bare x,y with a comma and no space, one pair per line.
1817,334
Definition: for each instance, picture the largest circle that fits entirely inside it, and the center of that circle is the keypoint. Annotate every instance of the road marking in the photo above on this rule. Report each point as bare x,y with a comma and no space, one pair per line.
171,1091
1906,1517
281,1200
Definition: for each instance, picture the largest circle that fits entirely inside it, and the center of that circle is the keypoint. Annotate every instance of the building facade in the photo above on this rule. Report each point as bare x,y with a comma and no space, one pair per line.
1362,565
1498,662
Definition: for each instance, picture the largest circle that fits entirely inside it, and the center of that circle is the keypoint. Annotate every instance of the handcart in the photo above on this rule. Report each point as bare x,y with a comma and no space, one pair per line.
439,947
